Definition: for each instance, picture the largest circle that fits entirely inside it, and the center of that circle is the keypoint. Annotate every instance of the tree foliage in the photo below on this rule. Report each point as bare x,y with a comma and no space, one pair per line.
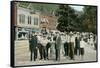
72,20
67,18
90,19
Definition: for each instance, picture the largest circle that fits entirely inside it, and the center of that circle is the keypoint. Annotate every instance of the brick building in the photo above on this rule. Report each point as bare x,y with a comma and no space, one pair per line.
48,22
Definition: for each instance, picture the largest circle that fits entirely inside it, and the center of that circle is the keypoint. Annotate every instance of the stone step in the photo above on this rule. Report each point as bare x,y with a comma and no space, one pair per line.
21,47
22,50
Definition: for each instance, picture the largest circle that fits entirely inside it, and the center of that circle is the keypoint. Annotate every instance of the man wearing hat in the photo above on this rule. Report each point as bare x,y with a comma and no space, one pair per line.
71,47
33,46
58,47
77,44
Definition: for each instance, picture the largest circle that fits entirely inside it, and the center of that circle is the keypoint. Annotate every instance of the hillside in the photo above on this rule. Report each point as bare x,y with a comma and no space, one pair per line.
45,8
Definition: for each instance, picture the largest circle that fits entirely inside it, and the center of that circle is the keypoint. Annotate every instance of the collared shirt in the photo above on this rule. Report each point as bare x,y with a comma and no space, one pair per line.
68,38
72,39
82,44
39,39
44,41
64,39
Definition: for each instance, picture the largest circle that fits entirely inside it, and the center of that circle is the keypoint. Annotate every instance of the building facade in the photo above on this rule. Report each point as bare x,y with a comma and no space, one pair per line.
27,21
48,22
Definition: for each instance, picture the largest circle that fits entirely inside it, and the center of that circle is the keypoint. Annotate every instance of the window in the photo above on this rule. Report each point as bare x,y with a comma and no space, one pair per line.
32,20
35,21
22,18
29,19
19,29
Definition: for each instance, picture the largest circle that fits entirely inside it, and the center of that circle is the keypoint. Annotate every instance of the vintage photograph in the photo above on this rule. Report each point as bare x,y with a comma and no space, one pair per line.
49,33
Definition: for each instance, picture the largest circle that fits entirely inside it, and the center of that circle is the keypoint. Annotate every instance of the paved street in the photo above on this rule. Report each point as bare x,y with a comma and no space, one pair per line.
22,55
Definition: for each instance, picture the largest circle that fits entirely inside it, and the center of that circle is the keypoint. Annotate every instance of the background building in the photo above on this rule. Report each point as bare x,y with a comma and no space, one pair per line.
27,21
48,22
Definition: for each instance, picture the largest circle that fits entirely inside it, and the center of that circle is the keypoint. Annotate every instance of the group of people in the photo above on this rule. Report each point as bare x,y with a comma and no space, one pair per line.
52,46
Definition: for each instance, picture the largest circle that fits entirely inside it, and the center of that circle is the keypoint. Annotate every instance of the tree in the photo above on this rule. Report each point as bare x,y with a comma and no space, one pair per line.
66,18
89,21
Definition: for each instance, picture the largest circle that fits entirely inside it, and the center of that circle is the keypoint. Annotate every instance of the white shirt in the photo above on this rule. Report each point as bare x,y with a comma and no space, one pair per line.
82,44
72,40
64,39
44,42
68,38
39,39
52,41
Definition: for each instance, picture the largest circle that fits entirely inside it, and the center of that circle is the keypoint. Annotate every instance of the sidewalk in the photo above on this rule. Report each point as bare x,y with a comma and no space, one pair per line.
22,56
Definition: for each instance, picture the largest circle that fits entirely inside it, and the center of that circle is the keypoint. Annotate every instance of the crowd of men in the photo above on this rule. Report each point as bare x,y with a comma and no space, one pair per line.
52,46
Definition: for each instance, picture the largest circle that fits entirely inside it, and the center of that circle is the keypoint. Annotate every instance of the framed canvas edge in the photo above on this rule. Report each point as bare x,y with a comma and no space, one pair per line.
12,31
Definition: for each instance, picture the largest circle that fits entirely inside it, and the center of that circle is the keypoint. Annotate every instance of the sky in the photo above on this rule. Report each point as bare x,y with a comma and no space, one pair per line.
78,8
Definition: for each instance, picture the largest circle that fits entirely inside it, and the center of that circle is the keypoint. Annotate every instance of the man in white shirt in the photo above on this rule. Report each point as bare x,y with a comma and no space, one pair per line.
82,45
67,40
71,46
52,49
63,39
77,44
44,43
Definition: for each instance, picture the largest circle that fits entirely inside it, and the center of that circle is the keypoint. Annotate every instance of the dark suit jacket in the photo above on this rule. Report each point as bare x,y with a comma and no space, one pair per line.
77,43
58,43
33,43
